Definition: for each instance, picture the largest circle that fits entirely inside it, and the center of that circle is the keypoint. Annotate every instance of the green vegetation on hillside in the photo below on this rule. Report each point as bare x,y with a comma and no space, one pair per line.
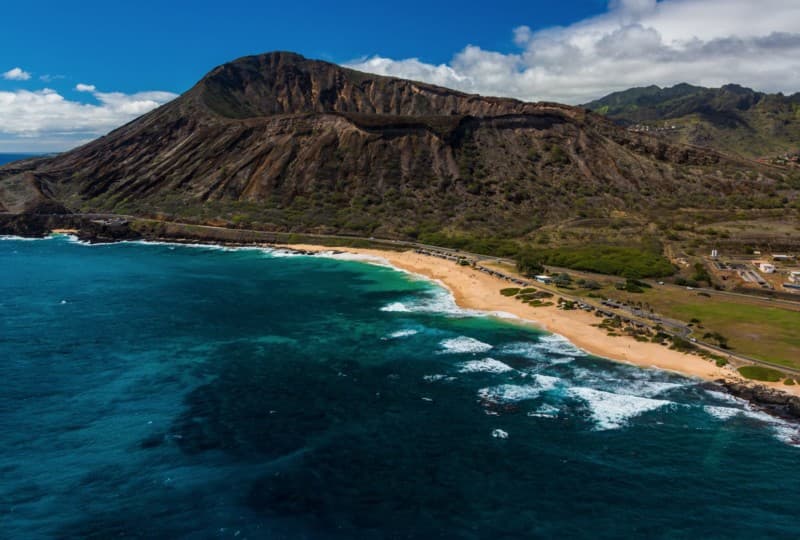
630,262
730,119
497,247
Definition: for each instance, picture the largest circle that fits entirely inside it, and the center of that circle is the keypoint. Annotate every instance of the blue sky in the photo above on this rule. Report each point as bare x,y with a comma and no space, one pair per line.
169,45
72,71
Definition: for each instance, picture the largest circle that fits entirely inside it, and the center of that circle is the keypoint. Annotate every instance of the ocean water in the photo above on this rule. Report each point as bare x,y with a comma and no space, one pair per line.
158,391
8,158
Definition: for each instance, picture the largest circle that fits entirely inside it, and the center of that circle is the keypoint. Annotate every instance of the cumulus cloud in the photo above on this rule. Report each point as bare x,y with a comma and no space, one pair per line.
634,43
16,74
46,119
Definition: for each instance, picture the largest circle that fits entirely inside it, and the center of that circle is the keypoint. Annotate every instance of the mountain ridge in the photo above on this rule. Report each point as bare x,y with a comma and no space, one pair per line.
277,141
731,118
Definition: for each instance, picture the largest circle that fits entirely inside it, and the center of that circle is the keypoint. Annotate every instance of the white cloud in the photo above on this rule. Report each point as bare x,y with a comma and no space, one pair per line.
47,120
80,87
16,74
634,43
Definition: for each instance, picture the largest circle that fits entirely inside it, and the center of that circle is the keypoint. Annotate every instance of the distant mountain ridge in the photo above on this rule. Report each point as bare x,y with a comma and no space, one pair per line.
280,142
731,118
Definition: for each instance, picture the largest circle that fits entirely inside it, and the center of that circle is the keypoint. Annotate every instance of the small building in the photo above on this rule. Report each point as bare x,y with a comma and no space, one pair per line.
544,279
767,268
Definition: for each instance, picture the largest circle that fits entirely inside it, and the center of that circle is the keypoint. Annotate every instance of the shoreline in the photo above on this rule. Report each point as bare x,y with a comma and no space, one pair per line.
478,291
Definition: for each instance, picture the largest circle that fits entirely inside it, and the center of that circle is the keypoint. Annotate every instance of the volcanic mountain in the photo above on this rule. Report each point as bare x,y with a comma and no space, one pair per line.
280,142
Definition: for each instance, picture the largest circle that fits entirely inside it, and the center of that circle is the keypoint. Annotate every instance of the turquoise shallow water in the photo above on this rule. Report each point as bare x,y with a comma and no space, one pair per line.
156,391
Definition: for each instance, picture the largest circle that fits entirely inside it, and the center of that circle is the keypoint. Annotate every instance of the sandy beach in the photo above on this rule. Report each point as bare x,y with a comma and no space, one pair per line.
475,290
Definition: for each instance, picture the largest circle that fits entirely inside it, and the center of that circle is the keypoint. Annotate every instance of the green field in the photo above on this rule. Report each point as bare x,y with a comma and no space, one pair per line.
761,373
753,329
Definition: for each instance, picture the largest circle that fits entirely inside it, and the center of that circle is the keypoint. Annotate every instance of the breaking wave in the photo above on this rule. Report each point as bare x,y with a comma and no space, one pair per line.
487,365
612,411
513,393
403,333
464,345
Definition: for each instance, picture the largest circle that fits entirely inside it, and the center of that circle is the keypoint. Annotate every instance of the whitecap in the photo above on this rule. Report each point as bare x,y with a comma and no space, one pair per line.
19,238
403,333
438,377
612,411
486,365
464,345
513,393
499,434
722,413
509,393
396,307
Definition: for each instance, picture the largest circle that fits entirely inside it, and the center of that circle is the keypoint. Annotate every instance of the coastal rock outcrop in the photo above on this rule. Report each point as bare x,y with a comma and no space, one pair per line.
773,401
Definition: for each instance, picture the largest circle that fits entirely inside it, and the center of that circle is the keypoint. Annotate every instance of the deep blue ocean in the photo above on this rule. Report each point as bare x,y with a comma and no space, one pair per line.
7,158
158,391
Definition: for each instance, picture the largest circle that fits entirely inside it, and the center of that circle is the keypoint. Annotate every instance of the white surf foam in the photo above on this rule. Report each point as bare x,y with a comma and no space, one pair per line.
396,307
545,411
551,348
784,431
613,411
438,377
513,393
499,434
403,333
438,301
359,257
787,433
722,413
649,388
464,345
486,365
629,380
727,398
19,238
509,393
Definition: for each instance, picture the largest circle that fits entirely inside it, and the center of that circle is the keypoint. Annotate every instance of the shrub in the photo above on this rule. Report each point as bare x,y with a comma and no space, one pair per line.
682,345
789,382
511,291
